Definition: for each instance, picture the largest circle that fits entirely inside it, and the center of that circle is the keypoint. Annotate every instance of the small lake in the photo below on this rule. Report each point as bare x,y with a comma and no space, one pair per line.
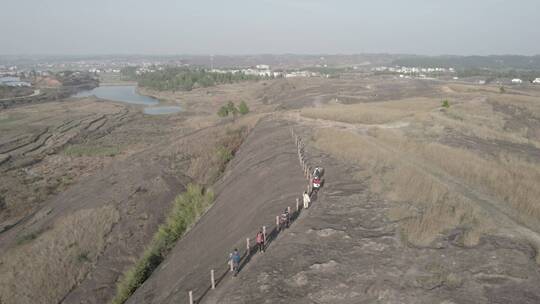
129,94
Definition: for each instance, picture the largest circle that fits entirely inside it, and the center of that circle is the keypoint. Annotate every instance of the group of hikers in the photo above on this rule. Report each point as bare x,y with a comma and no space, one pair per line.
234,257
284,222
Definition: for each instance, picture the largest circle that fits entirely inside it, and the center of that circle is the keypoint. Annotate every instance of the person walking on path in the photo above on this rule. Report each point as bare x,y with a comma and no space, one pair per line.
260,240
307,200
234,258
285,219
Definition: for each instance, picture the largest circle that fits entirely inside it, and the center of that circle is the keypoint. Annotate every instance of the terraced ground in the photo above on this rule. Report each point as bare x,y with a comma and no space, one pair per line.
32,136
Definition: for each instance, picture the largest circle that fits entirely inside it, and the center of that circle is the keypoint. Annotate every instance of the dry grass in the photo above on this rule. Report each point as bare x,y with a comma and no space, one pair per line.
46,268
508,179
216,147
479,119
446,187
373,113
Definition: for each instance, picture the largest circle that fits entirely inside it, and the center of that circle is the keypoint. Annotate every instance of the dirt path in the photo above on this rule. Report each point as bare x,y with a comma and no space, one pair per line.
318,123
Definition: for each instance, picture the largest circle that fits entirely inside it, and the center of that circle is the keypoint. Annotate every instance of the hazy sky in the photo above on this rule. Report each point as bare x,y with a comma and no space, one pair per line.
269,26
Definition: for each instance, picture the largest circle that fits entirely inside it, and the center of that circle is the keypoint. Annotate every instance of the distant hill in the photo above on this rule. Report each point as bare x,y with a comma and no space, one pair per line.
473,62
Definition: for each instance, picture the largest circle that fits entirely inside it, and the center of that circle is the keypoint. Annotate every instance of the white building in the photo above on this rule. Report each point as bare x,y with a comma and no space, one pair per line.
537,81
301,74
262,67
517,81
13,82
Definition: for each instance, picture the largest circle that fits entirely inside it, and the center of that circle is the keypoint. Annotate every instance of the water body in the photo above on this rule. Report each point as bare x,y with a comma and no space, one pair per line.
129,94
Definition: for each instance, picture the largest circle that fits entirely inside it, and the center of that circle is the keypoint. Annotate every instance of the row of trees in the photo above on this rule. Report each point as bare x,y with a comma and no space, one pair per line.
491,75
494,62
184,79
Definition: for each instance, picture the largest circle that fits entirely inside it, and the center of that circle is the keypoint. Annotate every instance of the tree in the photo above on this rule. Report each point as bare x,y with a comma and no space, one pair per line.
232,109
445,104
223,111
243,108
188,84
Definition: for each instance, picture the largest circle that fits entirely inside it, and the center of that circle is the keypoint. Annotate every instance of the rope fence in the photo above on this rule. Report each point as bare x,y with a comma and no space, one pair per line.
270,232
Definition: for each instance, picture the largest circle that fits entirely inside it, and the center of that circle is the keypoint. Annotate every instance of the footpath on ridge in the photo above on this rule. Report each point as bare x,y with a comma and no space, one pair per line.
264,178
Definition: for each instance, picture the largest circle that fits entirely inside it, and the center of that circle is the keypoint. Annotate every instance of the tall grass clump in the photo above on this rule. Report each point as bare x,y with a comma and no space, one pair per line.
187,209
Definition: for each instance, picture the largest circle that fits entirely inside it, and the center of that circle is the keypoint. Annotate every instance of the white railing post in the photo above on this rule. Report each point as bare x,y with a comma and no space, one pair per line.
264,234
277,221
247,244
297,204
212,279
190,297
231,265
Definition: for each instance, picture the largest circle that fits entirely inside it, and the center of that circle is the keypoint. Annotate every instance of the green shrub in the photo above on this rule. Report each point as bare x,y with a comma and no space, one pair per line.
502,90
83,257
187,208
25,238
22,239
227,109
223,111
445,104
224,154
243,108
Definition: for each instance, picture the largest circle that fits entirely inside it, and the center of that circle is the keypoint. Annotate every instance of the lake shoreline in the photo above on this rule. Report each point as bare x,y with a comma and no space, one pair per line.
133,95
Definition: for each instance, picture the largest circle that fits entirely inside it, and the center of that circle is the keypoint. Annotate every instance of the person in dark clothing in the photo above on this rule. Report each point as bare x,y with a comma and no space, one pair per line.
285,219
235,260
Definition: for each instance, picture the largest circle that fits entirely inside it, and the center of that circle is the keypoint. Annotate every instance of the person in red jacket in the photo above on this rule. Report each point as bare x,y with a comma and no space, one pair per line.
260,239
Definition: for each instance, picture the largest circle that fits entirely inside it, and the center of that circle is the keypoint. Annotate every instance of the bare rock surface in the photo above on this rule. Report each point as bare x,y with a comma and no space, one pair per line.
344,250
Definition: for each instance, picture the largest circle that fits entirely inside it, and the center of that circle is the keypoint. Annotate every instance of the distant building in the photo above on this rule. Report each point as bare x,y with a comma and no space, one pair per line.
250,72
299,74
13,82
517,81
262,67
536,81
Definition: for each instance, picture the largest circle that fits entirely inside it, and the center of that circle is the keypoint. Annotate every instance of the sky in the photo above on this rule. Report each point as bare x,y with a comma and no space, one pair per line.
168,27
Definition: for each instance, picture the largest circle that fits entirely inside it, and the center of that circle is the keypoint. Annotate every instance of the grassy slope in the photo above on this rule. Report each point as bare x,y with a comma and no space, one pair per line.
441,187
